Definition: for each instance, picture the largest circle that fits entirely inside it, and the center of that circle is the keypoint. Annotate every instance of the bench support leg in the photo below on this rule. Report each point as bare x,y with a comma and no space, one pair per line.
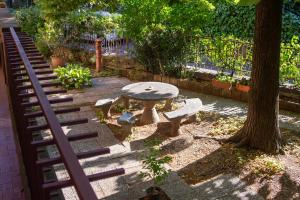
106,110
168,105
127,129
175,128
192,119
149,115
126,102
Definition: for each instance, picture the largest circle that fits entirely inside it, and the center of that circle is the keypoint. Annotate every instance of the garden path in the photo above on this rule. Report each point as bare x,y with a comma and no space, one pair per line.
6,18
129,186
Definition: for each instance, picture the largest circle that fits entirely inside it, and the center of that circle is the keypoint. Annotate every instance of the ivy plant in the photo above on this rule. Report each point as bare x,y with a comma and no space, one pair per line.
229,18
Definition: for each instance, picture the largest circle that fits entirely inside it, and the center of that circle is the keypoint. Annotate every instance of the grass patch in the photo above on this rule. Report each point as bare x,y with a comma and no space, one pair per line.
257,163
227,126
267,166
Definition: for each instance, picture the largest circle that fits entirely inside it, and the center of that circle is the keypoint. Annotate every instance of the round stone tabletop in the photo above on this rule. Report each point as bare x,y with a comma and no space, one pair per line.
150,91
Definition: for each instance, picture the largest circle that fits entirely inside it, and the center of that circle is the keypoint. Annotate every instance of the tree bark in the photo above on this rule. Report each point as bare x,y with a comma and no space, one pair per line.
261,129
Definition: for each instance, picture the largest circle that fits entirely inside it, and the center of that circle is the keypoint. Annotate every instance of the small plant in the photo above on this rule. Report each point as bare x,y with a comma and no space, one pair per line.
154,164
74,76
188,74
224,78
244,81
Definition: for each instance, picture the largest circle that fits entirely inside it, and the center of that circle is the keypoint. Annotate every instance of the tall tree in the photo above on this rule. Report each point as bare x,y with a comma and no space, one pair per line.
261,129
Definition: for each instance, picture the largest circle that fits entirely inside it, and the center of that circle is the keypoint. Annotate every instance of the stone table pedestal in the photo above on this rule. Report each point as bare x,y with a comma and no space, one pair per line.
149,115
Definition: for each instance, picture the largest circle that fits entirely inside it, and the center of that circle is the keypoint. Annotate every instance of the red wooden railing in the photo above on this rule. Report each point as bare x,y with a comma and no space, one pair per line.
24,69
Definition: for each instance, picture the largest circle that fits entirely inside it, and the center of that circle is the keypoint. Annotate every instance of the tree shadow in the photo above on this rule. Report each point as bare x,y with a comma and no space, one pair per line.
218,162
176,146
288,188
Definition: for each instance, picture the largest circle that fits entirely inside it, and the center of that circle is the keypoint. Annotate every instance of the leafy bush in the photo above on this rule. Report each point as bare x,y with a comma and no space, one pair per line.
74,76
49,37
30,20
83,21
161,31
162,50
290,62
43,47
67,22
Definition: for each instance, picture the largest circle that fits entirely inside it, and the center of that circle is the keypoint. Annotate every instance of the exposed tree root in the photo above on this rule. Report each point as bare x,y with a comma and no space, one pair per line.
242,143
236,138
244,138
220,140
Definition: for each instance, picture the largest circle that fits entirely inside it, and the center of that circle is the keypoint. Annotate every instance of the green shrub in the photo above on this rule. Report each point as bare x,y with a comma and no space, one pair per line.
74,76
51,35
30,19
161,30
88,21
43,47
290,62
163,51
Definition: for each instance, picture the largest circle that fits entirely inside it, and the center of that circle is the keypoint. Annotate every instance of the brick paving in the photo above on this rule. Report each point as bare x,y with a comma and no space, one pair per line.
11,186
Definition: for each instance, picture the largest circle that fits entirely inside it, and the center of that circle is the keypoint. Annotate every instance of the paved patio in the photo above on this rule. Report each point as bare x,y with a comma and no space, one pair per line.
129,186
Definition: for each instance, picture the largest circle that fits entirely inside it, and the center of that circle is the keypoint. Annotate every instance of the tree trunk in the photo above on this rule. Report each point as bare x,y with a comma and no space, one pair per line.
261,129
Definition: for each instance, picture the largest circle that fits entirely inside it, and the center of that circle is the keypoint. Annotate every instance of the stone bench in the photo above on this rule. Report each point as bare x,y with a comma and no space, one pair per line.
190,109
105,105
127,120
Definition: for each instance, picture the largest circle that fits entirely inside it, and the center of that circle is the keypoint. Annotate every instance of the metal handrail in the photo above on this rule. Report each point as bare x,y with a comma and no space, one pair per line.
77,175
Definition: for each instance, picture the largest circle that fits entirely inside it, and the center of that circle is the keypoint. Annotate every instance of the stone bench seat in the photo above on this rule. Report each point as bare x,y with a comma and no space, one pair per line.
190,109
127,120
105,105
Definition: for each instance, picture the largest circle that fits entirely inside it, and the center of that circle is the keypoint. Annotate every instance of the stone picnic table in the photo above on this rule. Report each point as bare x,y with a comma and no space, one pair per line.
150,93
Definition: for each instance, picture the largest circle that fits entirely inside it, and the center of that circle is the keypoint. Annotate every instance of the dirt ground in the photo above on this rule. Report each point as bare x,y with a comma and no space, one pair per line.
198,154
